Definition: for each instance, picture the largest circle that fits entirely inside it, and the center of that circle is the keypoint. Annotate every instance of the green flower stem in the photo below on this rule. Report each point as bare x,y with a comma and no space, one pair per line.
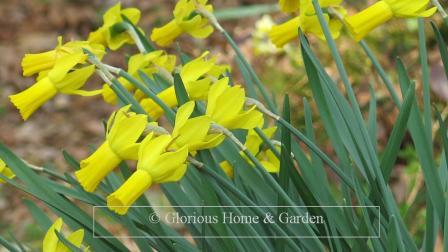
140,39
131,31
374,61
149,93
240,56
103,71
427,114
45,170
271,143
440,8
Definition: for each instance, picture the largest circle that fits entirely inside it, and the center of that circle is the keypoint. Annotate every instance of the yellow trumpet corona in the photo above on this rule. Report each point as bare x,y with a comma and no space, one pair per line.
382,11
156,165
62,78
33,63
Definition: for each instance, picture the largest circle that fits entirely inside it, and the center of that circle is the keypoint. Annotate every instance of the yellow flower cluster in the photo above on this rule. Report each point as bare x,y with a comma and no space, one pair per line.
162,155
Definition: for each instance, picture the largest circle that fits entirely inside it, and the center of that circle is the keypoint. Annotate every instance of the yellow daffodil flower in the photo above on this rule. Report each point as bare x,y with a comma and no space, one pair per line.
5,171
225,106
187,20
253,143
157,164
51,241
62,78
197,76
149,63
38,62
124,128
193,132
289,5
382,11
308,23
105,36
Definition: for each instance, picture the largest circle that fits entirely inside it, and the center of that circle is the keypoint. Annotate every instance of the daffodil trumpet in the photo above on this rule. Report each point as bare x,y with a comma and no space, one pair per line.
382,11
64,78
157,164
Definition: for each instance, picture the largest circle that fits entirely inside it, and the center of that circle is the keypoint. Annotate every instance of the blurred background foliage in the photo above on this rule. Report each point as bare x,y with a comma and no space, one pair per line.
72,122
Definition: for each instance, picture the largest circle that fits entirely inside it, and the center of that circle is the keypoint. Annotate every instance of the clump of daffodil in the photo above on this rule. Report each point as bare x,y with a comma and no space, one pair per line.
33,63
157,163
186,20
253,143
51,241
226,107
149,63
107,35
64,77
197,76
382,11
124,128
5,171
289,5
194,132
307,21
